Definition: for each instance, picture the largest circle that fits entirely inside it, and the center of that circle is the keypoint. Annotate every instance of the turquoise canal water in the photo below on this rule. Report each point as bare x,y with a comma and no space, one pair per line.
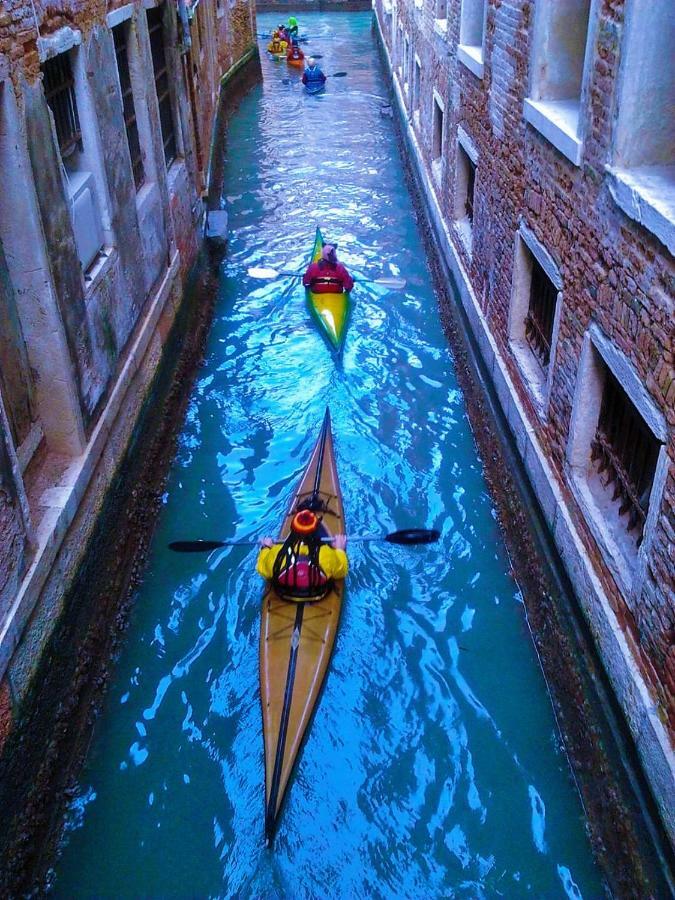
433,767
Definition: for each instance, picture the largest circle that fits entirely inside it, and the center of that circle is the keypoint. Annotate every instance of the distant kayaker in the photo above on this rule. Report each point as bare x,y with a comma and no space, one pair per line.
292,27
312,73
295,54
327,276
303,567
278,45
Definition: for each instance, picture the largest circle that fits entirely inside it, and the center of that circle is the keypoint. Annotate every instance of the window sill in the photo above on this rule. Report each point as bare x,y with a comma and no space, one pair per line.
618,548
558,122
416,119
647,195
533,374
386,6
437,170
472,58
98,270
441,27
464,230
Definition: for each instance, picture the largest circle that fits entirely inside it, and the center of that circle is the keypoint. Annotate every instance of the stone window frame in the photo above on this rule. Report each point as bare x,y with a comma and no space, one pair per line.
626,562
416,94
89,161
537,380
60,416
406,63
469,52
140,77
466,150
437,161
642,157
561,119
400,51
441,17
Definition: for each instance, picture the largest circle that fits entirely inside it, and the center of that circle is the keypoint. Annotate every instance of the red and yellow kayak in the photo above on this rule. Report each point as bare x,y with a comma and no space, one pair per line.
331,310
297,637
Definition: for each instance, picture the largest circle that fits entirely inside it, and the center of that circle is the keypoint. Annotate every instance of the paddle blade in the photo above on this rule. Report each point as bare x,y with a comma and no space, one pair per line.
261,272
195,546
413,536
396,284
337,74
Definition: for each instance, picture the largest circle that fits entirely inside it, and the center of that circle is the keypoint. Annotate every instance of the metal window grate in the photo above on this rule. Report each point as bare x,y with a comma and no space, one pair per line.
59,86
625,449
156,31
470,185
120,34
540,314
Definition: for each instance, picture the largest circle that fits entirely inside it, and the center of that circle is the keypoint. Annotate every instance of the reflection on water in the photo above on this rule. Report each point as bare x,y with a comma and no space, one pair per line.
433,766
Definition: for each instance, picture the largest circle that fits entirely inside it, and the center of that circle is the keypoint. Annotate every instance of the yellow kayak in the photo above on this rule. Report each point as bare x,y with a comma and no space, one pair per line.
331,310
297,637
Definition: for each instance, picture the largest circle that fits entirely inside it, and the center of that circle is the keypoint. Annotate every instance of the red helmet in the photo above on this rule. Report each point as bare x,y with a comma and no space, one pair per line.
304,522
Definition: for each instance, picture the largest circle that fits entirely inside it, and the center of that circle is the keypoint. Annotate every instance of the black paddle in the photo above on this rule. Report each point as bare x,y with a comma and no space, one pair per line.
406,536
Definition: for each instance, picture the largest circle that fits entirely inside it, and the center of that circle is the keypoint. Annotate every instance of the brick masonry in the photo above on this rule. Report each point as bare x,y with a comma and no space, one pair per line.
615,272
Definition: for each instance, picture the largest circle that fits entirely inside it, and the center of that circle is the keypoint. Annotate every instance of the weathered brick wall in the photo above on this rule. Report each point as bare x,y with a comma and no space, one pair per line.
614,272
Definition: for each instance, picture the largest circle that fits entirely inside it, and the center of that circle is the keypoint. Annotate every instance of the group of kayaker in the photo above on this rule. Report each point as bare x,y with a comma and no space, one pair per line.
285,41
303,566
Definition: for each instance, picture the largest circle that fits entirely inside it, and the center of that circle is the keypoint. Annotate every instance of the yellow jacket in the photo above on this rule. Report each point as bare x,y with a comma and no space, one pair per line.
333,562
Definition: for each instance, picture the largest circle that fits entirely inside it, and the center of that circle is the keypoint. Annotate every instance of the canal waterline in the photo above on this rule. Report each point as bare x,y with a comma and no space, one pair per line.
433,765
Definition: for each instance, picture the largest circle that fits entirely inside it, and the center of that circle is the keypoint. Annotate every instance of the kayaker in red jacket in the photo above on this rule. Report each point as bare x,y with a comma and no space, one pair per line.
328,276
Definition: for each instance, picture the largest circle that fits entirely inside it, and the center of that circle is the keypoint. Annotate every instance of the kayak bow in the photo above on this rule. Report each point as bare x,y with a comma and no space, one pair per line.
331,310
296,640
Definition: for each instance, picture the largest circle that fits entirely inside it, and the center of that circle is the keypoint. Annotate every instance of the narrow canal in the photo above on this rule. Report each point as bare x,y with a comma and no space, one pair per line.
433,767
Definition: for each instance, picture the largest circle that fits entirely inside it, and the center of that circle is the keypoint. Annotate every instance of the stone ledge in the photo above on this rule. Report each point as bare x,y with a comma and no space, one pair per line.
472,58
557,121
647,195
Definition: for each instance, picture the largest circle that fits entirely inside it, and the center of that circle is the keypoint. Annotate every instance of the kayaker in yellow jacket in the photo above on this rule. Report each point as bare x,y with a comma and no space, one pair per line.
303,566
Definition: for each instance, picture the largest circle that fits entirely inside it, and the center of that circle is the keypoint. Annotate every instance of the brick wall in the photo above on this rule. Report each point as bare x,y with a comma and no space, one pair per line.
615,272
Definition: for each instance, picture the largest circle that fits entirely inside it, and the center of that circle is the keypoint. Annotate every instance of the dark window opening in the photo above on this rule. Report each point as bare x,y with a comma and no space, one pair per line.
437,147
156,31
540,314
626,451
470,183
120,34
59,86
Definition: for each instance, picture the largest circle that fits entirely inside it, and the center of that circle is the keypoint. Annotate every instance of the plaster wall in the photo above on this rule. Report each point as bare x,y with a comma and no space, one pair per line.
87,343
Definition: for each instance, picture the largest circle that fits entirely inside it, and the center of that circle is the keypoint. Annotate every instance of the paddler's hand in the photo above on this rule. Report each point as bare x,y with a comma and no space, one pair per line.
266,542
340,542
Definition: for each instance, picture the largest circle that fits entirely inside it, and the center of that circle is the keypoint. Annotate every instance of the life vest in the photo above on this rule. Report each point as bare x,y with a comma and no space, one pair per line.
314,74
297,573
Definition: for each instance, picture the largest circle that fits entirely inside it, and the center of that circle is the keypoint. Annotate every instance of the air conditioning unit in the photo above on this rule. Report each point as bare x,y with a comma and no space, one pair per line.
85,215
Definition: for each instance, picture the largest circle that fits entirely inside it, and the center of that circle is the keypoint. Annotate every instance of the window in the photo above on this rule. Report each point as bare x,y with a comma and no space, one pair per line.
642,176
625,452
470,47
164,98
465,181
441,9
406,60
617,457
558,62
437,138
61,93
417,81
120,33
59,87
533,315
540,314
